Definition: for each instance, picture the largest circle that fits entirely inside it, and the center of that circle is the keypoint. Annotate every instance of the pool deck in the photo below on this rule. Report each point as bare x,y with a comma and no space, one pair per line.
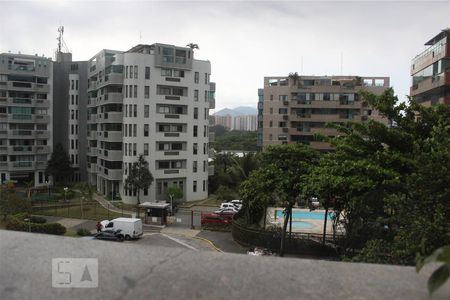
272,219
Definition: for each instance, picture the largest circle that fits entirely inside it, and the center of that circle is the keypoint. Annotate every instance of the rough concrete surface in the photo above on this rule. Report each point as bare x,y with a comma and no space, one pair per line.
131,271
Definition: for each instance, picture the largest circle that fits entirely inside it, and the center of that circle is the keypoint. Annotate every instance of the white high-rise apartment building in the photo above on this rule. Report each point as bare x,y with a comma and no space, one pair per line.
26,118
152,100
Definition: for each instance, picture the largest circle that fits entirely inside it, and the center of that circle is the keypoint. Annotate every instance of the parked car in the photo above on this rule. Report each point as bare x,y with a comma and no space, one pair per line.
226,210
237,203
227,205
110,235
131,227
226,214
213,219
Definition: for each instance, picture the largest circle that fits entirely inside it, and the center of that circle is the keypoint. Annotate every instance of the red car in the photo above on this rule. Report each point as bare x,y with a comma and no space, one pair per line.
214,219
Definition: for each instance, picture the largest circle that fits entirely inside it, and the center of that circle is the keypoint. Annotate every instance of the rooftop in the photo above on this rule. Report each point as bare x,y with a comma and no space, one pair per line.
132,271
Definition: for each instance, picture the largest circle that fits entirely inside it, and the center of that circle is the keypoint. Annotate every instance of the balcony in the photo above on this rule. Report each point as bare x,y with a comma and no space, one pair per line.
114,78
110,117
42,149
42,134
42,118
113,154
21,165
21,134
112,136
112,174
431,83
114,98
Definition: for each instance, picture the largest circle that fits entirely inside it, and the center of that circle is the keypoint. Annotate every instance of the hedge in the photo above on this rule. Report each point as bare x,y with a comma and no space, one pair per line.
83,232
50,228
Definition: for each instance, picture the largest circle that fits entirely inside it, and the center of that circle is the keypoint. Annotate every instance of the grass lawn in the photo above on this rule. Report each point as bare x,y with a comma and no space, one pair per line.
210,201
90,211
129,207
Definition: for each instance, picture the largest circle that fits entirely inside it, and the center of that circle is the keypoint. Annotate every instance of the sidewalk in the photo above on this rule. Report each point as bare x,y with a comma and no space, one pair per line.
105,203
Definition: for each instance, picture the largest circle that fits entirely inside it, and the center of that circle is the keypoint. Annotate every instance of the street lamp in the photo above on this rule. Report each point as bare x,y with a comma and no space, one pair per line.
29,223
65,193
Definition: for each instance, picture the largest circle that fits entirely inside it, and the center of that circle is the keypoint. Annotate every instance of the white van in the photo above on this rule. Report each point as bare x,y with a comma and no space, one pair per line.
131,228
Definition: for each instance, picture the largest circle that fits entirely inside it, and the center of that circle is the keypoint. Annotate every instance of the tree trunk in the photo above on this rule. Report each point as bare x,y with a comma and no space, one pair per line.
325,225
290,224
265,216
283,233
138,194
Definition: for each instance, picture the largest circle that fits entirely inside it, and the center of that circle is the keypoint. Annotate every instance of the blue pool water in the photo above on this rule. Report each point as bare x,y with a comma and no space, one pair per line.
302,225
311,215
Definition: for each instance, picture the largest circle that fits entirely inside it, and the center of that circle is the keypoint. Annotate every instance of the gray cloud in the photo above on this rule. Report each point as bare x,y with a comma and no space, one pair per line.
245,41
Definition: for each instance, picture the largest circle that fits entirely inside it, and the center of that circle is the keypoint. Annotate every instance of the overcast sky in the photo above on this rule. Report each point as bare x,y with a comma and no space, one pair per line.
244,40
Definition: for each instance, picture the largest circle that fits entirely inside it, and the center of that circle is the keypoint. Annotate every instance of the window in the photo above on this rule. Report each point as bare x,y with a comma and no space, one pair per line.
134,129
146,111
71,129
204,166
134,149
196,77
204,185
195,112
196,95
126,91
147,72
135,110
135,91
271,110
178,73
206,96
72,84
283,97
195,130
206,78
136,72
194,166
126,72
145,129
195,149
166,72
71,96
76,84
146,92
194,186
145,149
131,71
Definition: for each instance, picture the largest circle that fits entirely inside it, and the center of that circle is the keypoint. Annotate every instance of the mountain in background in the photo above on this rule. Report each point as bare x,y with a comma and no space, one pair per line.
238,111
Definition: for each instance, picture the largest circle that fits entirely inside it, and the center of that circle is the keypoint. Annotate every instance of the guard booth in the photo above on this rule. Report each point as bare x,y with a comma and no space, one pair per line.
154,212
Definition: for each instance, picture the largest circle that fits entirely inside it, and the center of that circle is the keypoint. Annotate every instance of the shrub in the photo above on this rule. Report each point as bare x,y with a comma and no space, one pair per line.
83,232
38,220
14,223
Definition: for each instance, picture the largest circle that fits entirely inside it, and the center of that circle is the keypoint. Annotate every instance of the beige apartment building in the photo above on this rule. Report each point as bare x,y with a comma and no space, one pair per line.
430,71
293,110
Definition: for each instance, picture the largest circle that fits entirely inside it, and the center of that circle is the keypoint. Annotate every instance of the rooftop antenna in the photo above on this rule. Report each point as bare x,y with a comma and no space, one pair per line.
61,43
60,37
342,63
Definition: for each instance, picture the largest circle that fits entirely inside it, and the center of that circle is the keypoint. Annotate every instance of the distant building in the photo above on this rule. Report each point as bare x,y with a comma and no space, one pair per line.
430,71
293,112
70,103
26,117
242,123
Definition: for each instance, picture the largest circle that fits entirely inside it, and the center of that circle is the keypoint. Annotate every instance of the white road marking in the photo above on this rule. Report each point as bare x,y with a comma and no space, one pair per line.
179,242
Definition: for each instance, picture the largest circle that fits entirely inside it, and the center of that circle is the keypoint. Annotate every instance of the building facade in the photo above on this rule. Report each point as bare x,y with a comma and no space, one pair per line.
430,71
26,118
294,110
242,123
152,100
70,101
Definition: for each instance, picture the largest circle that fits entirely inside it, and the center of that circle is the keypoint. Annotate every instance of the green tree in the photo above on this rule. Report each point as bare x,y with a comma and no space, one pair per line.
11,203
174,193
293,77
390,181
59,165
87,193
139,178
280,176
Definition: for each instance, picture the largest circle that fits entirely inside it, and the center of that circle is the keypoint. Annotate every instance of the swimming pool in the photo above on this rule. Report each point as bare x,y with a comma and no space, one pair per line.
301,225
311,215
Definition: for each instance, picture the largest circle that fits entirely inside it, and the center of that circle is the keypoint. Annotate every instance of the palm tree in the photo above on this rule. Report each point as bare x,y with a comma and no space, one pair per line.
294,77
193,46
